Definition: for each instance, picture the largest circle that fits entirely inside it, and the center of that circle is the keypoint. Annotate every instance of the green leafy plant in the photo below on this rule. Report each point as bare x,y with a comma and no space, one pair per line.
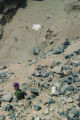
19,94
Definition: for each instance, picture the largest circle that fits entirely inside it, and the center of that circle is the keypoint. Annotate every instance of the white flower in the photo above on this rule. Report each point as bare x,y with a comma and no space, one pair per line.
36,27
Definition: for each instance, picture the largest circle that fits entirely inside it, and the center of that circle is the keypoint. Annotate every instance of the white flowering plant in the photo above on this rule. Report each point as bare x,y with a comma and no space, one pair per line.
36,27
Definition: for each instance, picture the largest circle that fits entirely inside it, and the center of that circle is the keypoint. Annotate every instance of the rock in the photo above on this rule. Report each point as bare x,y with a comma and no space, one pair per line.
45,74
15,39
39,67
3,67
38,74
51,109
15,103
46,85
77,52
68,88
57,69
54,90
2,117
52,73
66,43
57,84
69,56
1,31
62,114
30,97
50,79
78,104
11,115
69,100
1,90
51,42
1,81
73,113
52,66
34,91
37,118
59,50
70,79
67,72
62,47
7,98
8,107
3,75
35,51
37,107
77,97
50,101
48,17
33,118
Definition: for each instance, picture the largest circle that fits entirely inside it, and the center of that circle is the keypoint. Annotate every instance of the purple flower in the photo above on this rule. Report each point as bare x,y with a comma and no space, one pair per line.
16,85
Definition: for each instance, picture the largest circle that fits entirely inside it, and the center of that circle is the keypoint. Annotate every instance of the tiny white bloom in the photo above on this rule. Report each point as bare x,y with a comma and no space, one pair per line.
36,27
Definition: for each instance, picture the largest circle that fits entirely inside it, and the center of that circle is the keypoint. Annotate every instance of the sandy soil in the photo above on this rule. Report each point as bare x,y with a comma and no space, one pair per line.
65,25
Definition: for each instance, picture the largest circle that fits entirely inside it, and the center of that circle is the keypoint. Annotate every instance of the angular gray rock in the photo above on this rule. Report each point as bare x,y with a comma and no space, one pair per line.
7,97
35,51
37,107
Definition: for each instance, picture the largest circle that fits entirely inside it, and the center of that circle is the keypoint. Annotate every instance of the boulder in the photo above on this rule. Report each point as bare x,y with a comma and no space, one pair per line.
7,97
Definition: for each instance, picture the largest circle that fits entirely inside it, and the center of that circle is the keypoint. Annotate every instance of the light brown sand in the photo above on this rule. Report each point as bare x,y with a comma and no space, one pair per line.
63,24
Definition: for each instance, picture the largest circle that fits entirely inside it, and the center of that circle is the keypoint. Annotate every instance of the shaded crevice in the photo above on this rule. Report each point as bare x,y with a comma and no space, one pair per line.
8,9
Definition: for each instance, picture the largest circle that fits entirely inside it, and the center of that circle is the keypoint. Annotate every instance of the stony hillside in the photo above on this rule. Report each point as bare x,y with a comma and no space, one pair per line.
47,85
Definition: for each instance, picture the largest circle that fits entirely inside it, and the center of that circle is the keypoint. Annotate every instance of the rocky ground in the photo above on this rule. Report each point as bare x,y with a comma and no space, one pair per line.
50,81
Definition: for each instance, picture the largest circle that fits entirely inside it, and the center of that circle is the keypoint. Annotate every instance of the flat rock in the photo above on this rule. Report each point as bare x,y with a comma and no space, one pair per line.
57,69
59,50
77,52
8,107
69,100
50,101
45,74
7,98
37,107
54,90
69,56
34,91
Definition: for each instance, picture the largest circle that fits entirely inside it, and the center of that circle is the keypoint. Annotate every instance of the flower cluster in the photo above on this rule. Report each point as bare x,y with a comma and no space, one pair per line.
36,27
16,85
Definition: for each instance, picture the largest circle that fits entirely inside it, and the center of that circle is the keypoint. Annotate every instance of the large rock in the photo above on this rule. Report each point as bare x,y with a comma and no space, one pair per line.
7,97
8,107
1,31
37,107
57,69
77,52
